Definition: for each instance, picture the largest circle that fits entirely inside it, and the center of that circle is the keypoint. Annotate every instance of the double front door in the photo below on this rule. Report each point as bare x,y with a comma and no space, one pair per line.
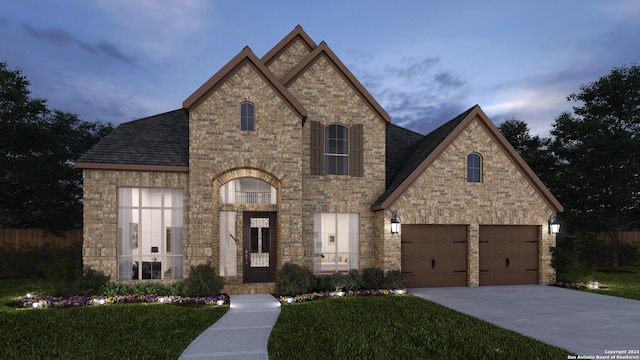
259,246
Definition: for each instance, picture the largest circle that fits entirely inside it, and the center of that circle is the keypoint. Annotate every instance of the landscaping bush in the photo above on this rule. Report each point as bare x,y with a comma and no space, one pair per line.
394,280
293,279
145,288
372,278
88,283
569,266
353,280
323,283
203,281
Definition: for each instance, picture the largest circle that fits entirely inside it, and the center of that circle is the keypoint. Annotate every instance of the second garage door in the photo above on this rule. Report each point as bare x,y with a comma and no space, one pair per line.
508,254
434,255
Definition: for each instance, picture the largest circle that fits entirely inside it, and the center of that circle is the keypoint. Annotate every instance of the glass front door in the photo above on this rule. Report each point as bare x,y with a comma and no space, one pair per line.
259,246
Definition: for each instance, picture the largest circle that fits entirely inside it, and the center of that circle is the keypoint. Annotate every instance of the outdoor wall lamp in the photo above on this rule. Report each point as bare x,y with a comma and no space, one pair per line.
554,225
395,224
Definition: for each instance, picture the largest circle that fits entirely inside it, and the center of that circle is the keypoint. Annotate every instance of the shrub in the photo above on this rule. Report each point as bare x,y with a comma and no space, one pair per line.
203,281
372,278
293,279
394,280
91,282
568,265
323,283
34,263
353,280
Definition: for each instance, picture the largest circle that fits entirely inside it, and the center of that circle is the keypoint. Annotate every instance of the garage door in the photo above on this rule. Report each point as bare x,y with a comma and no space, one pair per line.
508,255
434,255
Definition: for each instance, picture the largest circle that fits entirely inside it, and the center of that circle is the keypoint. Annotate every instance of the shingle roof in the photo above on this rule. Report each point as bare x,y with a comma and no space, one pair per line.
161,140
414,154
397,141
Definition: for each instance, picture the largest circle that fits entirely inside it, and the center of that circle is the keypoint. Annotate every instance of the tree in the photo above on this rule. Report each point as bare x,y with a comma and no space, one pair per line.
597,151
533,149
39,185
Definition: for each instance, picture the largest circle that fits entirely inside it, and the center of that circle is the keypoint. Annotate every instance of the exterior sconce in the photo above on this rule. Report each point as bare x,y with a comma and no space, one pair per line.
554,225
395,224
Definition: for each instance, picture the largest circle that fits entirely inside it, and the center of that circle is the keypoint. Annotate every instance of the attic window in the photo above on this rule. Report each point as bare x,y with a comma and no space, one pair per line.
474,168
246,116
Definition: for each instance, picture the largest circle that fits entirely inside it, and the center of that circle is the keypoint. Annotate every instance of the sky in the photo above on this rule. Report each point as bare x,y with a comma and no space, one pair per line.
424,61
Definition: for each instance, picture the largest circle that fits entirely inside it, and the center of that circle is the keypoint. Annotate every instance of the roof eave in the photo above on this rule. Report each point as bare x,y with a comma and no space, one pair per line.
130,167
245,55
477,112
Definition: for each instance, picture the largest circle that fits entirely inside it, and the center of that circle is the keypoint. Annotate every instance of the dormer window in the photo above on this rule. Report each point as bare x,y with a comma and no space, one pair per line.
246,116
474,168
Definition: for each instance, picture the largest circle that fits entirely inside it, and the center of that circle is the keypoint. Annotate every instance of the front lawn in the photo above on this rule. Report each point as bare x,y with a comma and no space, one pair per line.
394,327
624,284
137,331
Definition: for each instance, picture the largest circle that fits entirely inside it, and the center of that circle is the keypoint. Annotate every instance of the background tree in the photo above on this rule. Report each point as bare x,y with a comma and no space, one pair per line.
597,151
533,149
39,186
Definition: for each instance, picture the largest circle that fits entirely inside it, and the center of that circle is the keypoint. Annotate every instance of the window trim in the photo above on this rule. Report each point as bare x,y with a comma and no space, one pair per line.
474,171
344,156
247,117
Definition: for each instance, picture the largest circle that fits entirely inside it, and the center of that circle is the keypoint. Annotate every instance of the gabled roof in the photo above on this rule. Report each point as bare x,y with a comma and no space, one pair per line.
155,143
323,49
246,55
296,33
423,152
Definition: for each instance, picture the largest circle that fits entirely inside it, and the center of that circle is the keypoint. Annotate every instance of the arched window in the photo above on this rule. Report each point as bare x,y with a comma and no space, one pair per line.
336,150
474,168
247,190
246,116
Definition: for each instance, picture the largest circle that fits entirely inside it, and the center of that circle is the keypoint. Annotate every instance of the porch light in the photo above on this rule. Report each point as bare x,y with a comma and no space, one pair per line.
395,224
554,225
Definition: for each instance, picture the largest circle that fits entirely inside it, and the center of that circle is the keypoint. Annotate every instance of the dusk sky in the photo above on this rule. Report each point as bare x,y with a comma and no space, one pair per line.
424,61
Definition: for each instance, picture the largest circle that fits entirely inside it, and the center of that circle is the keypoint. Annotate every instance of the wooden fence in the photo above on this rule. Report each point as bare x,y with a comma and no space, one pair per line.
31,239
625,237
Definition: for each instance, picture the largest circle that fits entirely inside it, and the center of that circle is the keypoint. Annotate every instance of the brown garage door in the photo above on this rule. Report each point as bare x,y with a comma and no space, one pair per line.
434,255
508,254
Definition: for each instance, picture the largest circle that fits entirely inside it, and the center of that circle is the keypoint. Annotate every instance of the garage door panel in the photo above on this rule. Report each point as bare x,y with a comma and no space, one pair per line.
508,254
434,255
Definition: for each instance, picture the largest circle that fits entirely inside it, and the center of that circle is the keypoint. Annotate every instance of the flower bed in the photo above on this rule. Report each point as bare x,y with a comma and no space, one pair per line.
38,302
326,294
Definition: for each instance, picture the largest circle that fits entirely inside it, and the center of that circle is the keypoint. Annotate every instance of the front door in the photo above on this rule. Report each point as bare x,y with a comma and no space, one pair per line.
259,246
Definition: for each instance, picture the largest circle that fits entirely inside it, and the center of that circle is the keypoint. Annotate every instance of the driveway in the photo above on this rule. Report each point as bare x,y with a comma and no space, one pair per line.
584,323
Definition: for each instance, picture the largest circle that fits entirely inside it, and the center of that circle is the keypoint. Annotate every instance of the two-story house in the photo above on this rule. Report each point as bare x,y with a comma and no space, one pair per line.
289,158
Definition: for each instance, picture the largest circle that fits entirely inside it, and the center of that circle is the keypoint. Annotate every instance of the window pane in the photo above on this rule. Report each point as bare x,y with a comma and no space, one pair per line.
342,167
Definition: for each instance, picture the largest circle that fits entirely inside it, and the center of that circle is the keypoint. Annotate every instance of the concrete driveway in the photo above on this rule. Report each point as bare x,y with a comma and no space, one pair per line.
584,323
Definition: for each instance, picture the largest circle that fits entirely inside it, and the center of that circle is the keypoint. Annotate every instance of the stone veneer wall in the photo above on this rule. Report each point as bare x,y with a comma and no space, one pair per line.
329,99
441,195
99,247
288,58
220,151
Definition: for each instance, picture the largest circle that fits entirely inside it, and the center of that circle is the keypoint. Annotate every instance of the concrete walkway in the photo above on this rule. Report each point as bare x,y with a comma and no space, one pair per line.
242,333
584,323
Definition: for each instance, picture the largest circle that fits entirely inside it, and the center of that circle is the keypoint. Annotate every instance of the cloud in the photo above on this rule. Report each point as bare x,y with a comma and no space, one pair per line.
61,37
419,93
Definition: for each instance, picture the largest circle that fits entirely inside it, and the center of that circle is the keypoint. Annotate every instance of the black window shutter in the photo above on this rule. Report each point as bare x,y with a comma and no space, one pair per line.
317,148
356,147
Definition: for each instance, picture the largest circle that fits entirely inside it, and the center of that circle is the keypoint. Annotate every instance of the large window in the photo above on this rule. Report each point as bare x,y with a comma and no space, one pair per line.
336,242
246,116
474,168
150,233
336,150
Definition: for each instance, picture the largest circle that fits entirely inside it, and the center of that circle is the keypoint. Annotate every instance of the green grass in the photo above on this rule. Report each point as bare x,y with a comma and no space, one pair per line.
96,332
624,284
393,327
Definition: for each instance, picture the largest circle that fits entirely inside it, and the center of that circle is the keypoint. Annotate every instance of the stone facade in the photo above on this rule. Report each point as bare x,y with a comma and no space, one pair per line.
100,212
302,82
442,195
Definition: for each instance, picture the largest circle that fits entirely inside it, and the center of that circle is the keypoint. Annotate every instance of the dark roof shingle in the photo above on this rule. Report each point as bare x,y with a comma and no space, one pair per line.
161,140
